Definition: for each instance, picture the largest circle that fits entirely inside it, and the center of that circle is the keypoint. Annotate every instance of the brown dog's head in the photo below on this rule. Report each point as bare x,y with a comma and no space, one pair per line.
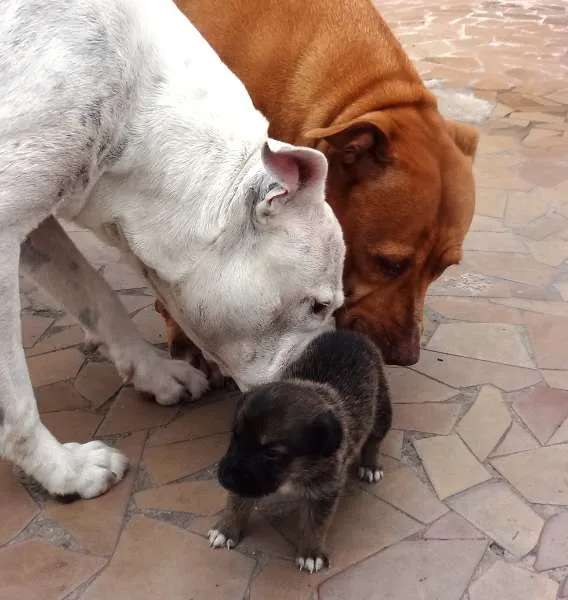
401,184
282,432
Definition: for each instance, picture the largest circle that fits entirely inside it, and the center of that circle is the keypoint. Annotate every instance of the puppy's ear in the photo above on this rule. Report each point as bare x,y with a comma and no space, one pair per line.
367,136
290,169
323,436
464,136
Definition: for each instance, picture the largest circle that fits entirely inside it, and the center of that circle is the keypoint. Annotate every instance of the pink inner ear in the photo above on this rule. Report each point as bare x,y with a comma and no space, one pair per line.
285,167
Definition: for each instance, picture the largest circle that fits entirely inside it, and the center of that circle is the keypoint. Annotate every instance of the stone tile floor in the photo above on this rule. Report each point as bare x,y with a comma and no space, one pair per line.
474,504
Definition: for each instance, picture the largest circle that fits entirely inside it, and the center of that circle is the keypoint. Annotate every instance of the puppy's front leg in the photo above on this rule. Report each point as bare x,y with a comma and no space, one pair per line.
51,259
229,530
316,518
88,469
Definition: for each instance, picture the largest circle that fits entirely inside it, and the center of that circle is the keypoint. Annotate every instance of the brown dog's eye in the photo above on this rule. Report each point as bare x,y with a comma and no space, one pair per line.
392,268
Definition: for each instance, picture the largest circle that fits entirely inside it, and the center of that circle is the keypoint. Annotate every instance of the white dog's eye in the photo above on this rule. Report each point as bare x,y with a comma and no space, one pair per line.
318,307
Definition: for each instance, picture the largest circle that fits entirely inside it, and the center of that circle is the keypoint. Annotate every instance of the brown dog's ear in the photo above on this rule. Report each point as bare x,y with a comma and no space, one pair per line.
355,139
465,137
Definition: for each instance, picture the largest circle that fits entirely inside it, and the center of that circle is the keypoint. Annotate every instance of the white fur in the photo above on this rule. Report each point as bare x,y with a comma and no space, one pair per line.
118,115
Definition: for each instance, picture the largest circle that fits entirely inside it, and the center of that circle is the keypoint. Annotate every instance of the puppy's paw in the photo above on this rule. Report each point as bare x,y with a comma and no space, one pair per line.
217,539
312,564
370,474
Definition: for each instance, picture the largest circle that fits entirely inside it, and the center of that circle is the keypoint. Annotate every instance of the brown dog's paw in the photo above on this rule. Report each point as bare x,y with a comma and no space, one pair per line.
313,563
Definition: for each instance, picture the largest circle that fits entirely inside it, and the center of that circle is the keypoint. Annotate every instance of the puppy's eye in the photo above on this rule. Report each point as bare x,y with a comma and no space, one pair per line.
392,268
275,452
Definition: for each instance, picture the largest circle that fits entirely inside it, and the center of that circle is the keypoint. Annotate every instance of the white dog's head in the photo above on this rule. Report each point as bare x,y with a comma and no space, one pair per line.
260,274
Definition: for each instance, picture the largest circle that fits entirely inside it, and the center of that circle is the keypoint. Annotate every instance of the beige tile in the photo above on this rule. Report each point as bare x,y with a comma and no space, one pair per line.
32,328
553,548
168,463
407,386
460,371
513,267
477,310
36,570
540,475
133,303
494,342
506,581
131,411
524,207
452,527
157,560
427,418
490,202
551,252
72,425
123,277
58,396
516,440
542,409
556,379
410,569
57,339
198,422
560,435
55,366
403,489
205,497
97,382
485,422
549,339
17,509
392,444
280,580
502,515
451,467
151,325
488,241
559,309
96,524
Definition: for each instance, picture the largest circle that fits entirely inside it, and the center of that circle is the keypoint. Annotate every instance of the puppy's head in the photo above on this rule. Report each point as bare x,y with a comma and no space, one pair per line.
280,434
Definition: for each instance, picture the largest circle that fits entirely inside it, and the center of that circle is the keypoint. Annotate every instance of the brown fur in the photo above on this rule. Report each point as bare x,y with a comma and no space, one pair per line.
301,435
332,75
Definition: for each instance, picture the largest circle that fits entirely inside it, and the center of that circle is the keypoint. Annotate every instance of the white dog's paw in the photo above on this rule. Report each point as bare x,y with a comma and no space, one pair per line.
168,380
312,564
219,540
370,475
90,470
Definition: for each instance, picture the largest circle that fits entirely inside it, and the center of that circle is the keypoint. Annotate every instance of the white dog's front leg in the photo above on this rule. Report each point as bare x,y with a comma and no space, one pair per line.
89,469
53,261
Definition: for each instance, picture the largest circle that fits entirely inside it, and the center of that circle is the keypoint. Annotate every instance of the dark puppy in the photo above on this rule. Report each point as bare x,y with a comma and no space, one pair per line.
300,436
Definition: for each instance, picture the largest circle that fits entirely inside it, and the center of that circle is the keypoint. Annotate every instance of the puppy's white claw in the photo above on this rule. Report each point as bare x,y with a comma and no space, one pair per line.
313,565
370,475
300,563
219,540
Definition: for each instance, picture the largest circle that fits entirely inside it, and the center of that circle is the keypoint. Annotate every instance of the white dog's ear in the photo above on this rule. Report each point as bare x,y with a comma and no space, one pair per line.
290,169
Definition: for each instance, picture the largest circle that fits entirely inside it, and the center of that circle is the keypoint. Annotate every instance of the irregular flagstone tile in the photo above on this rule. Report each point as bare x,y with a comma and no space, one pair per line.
427,418
556,379
132,303
490,202
494,342
72,425
205,497
516,440
131,411
413,569
483,223
281,580
452,527
55,366
36,570
407,386
485,422
560,435
170,462
542,409
466,372
502,515
392,444
563,289
151,325
33,327
57,339
489,241
522,269
121,276
504,580
403,489
477,310
17,509
58,396
96,523
97,382
544,227
524,207
549,338
540,306
540,475
157,560
553,548
450,466
551,252
198,422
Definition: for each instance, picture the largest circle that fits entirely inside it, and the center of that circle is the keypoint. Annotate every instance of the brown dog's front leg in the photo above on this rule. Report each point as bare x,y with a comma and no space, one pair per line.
315,521
229,530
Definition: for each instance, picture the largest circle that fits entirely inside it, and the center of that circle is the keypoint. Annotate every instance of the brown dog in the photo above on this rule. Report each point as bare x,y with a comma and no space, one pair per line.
330,73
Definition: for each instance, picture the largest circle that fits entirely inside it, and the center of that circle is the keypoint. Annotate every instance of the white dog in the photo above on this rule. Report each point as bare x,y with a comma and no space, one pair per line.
117,114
